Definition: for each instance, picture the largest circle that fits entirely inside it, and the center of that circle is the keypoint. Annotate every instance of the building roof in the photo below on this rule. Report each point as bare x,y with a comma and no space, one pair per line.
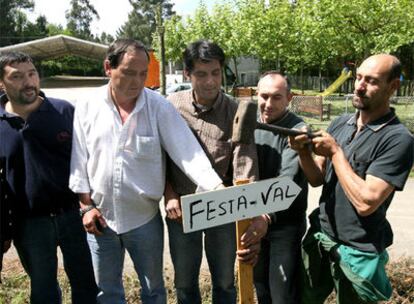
58,46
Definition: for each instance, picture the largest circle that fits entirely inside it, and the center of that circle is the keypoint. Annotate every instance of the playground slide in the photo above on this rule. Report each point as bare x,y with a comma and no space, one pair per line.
345,74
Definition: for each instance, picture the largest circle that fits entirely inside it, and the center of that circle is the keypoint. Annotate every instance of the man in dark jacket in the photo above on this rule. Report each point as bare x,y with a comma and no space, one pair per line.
36,140
5,213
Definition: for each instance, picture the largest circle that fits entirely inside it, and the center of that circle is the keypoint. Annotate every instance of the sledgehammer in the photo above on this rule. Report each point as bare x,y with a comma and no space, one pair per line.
245,122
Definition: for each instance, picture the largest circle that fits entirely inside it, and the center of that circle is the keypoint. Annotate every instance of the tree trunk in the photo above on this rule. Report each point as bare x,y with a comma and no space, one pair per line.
301,78
236,71
320,78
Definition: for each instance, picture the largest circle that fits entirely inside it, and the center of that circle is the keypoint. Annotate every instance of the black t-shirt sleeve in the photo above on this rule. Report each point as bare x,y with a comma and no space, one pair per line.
394,160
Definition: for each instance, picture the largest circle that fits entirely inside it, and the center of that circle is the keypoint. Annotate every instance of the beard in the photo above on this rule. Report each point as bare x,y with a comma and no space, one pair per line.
27,96
360,102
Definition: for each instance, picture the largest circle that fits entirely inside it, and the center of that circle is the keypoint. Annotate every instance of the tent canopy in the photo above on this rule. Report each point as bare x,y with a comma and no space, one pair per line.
59,46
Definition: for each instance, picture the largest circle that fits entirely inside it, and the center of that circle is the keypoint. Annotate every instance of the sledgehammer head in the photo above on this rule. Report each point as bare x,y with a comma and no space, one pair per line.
245,122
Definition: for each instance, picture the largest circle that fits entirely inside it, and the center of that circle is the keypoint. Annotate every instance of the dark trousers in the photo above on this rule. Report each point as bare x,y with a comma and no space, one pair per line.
276,274
186,254
36,241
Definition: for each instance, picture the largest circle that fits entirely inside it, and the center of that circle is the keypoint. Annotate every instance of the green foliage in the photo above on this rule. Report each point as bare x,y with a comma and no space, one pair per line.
138,27
366,27
72,65
174,38
295,35
79,18
16,28
13,20
57,29
141,23
106,38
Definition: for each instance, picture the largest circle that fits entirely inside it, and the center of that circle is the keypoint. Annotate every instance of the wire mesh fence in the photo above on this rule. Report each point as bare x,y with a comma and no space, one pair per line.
319,111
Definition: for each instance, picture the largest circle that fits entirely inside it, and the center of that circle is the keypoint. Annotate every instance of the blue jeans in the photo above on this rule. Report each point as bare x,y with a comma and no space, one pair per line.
36,241
186,254
277,273
145,246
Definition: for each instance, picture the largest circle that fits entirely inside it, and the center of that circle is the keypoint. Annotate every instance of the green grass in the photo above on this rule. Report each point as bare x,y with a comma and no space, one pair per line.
16,288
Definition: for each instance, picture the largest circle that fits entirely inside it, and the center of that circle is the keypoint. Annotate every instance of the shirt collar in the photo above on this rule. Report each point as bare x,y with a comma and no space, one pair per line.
44,106
140,101
378,124
215,105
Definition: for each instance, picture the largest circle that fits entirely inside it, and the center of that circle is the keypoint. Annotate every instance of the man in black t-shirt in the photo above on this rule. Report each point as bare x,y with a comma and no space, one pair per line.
361,160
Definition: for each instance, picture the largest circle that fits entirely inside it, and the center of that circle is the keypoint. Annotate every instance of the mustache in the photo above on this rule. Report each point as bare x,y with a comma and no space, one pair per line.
29,88
360,94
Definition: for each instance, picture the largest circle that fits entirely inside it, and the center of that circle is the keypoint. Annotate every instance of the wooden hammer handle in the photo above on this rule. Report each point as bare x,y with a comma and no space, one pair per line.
245,271
282,131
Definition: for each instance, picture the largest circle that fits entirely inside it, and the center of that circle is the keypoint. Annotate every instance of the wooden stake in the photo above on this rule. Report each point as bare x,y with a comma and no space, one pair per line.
245,271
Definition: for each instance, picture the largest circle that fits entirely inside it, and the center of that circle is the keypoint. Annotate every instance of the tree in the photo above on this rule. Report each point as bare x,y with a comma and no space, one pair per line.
141,23
175,40
366,27
36,30
106,38
220,26
13,20
56,29
226,29
137,27
311,42
79,18
300,36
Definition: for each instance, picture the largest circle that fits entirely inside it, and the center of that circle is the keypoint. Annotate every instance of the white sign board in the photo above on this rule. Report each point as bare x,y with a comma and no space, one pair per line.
210,209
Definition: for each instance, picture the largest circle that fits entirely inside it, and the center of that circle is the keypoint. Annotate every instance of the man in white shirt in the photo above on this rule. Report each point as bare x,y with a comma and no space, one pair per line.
121,136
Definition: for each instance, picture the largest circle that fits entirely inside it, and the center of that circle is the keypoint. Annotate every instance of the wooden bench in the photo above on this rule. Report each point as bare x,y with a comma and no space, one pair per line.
312,105
244,92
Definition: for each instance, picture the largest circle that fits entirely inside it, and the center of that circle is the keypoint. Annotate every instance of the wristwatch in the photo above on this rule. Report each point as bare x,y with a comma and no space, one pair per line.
82,211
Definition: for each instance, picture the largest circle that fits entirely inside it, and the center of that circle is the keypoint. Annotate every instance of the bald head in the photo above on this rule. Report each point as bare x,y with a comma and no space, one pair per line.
376,80
274,76
384,64
273,96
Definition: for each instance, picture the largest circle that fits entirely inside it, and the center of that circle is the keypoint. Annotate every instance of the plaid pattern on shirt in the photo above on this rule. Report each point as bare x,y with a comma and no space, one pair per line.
213,129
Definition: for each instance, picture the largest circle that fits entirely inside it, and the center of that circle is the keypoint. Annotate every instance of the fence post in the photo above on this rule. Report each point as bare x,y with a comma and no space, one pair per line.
320,101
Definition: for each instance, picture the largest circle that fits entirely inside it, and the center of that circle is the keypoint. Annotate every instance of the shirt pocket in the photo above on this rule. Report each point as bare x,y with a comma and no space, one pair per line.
146,147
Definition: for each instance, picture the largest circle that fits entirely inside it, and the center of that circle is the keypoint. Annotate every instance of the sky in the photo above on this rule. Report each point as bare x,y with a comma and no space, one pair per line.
112,13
